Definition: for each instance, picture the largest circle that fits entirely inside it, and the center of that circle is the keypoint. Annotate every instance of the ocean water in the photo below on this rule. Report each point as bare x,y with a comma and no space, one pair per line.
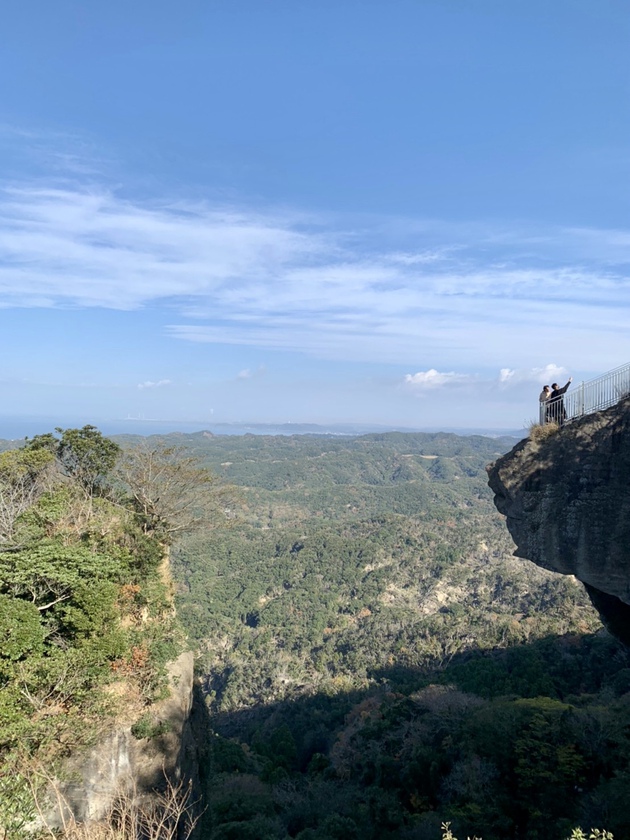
17,428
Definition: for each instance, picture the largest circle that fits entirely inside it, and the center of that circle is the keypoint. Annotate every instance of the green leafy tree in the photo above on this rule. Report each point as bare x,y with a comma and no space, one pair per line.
49,572
17,807
82,603
83,454
21,629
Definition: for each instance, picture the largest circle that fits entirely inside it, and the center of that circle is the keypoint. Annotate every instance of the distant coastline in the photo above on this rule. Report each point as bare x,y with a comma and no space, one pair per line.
17,428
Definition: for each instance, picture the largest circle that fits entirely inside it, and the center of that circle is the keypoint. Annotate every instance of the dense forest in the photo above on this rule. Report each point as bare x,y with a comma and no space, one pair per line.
375,661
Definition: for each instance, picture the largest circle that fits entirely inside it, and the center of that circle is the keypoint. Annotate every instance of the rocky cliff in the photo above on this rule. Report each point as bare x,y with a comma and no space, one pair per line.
123,763
566,496
133,761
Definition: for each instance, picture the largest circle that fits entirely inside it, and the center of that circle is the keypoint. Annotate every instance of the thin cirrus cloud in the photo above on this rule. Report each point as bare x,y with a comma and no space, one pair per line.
150,384
248,373
429,379
277,279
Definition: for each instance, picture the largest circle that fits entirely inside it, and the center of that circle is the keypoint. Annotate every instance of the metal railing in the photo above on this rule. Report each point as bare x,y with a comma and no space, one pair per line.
588,397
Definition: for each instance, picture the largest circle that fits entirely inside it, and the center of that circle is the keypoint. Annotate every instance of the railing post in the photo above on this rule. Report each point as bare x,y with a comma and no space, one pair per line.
582,398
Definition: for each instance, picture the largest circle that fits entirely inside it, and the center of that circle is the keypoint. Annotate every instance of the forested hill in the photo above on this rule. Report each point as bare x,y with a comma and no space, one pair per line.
349,556
357,573
390,473
374,659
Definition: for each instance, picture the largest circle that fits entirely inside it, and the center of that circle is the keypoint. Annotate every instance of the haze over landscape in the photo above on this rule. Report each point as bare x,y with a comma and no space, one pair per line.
409,214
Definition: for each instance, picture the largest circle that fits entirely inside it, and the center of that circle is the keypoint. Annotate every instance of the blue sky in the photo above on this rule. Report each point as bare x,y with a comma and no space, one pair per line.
374,211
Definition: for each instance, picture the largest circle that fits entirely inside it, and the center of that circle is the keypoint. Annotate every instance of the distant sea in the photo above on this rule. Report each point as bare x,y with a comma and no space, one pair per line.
17,428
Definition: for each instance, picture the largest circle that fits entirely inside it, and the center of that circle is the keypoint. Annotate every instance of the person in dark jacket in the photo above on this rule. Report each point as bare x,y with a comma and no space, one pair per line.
555,404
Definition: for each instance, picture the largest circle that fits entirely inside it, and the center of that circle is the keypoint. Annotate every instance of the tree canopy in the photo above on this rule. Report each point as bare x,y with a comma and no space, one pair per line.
82,603
84,454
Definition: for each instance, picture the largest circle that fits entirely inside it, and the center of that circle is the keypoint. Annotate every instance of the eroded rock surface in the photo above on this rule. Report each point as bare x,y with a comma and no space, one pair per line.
567,502
120,763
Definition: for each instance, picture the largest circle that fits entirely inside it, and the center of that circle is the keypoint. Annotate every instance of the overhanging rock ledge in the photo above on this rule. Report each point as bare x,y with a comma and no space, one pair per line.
566,497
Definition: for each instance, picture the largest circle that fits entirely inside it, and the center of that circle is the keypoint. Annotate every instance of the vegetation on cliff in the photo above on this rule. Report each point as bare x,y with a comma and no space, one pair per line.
85,607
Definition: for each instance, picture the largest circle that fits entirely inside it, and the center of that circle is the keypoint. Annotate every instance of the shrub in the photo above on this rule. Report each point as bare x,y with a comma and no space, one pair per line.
21,629
538,432
146,727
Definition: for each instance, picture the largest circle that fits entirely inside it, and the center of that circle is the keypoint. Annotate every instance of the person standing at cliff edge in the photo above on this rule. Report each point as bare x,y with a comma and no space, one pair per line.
555,405
543,399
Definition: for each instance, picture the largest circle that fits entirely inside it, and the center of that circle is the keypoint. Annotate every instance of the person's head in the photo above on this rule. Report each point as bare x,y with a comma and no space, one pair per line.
547,389
554,386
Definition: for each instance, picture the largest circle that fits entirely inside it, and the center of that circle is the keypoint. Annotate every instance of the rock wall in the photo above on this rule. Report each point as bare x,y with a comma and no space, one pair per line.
120,762
566,496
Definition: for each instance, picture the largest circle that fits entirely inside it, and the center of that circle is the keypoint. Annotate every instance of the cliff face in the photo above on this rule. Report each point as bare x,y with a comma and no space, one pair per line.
567,502
120,762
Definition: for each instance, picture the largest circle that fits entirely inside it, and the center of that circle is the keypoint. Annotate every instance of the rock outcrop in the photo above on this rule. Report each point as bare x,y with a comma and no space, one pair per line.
566,496
121,763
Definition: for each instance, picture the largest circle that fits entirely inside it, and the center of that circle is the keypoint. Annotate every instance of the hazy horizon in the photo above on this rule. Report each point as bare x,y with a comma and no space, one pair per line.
17,428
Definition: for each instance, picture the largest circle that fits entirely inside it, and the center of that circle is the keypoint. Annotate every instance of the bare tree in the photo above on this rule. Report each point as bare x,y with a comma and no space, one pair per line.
169,814
24,476
170,490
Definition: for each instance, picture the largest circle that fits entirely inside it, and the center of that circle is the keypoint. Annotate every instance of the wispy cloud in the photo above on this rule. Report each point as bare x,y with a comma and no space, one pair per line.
248,373
434,293
430,379
542,375
89,248
149,384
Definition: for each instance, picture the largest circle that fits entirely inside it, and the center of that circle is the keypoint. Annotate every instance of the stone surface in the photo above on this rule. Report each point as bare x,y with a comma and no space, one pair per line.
119,762
566,497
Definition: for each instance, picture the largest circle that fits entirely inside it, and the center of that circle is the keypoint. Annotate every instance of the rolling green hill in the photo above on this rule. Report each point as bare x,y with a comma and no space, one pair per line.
347,556
376,662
